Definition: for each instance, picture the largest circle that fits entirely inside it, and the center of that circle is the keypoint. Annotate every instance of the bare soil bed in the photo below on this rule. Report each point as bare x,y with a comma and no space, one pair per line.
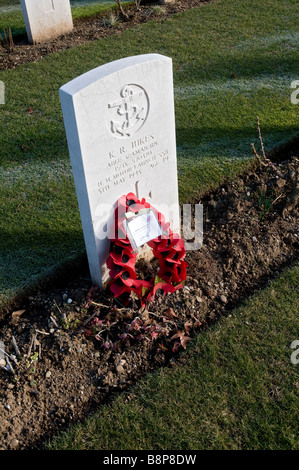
77,347
20,52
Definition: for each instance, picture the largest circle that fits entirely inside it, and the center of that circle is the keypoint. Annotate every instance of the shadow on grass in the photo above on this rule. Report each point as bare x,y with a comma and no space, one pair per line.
49,146
231,137
226,64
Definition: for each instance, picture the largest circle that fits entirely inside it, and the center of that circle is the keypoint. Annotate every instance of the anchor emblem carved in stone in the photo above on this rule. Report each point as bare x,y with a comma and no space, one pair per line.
127,115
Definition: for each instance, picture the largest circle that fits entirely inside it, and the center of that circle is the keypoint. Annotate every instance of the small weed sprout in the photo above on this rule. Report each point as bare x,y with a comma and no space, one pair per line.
7,40
158,10
112,20
265,204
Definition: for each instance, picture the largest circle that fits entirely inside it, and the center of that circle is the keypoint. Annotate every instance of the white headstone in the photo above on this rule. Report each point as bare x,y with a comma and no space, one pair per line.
46,19
120,126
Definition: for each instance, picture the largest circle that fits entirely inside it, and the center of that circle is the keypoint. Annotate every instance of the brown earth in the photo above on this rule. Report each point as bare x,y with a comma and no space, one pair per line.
20,52
63,372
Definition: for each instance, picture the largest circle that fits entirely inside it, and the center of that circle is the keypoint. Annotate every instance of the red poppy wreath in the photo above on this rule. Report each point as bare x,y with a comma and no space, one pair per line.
168,248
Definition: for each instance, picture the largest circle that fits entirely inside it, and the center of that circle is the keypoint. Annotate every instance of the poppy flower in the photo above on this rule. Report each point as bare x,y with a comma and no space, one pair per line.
125,273
131,199
167,242
173,272
173,242
140,287
119,247
159,289
161,243
125,297
114,270
146,204
166,273
119,261
181,271
118,288
125,258
170,256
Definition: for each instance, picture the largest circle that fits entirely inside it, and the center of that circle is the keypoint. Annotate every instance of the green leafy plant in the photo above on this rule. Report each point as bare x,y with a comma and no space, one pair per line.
265,204
111,20
34,357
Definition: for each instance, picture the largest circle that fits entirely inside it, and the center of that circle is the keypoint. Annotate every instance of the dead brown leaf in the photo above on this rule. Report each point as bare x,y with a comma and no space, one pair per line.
15,316
170,313
185,340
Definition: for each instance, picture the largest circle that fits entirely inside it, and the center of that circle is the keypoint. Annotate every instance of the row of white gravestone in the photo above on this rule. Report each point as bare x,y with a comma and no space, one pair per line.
46,19
120,127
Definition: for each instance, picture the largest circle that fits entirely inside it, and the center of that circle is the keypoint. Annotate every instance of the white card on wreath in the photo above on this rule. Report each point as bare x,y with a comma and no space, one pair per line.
143,228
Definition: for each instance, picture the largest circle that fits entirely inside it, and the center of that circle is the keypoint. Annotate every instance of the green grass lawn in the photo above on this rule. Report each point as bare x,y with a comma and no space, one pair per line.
235,388
233,60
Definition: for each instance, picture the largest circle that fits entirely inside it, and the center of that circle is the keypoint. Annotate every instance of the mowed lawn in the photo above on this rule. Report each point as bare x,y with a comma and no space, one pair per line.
233,60
235,388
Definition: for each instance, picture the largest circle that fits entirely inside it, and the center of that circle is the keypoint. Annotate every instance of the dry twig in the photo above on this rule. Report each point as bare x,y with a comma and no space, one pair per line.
15,346
54,321
8,355
264,160
42,332
31,344
11,369
123,13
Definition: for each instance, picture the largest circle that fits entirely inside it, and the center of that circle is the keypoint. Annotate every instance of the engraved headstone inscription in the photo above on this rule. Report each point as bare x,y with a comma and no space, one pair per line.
46,19
120,127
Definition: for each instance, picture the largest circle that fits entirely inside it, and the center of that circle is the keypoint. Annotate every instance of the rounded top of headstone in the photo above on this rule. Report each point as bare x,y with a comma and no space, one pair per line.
82,81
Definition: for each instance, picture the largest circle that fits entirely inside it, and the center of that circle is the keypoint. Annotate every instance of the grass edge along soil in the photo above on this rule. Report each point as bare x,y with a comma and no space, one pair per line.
235,388
40,169
247,243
